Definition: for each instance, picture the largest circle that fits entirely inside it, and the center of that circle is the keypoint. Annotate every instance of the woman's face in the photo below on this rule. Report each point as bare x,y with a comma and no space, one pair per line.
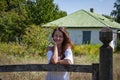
58,37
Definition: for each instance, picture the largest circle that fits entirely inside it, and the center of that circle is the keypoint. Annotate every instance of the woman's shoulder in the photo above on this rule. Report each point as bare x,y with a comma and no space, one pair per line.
49,48
68,49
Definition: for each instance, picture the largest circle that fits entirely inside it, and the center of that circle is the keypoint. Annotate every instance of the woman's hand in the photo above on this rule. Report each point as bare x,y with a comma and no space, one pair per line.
53,42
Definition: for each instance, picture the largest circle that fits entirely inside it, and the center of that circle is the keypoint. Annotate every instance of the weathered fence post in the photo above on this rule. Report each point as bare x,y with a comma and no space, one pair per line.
95,73
106,56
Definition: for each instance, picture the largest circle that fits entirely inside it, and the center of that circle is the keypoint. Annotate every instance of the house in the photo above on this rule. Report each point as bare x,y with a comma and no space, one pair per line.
84,27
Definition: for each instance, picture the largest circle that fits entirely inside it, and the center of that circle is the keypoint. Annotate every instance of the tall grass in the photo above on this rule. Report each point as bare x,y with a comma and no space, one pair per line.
7,57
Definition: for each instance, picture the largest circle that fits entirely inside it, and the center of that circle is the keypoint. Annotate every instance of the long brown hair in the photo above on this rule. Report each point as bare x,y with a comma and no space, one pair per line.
67,43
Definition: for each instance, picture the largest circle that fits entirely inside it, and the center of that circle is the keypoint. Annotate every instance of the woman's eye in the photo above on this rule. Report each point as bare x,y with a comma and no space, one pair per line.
61,37
58,36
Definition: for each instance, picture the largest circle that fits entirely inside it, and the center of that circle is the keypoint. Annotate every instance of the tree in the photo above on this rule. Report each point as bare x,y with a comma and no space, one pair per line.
17,15
116,13
43,11
36,39
12,19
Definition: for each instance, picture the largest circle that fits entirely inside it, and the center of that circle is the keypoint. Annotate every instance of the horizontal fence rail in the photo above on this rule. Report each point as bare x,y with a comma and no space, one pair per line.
45,67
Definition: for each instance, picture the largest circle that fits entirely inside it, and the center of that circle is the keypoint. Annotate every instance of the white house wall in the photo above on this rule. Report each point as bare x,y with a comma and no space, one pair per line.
76,36
95,36
113,43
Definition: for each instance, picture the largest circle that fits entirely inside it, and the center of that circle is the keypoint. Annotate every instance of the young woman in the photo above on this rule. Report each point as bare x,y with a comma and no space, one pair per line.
59,53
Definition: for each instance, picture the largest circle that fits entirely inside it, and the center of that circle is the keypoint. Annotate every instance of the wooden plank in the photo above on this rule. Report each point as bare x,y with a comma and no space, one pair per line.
95,73
45,67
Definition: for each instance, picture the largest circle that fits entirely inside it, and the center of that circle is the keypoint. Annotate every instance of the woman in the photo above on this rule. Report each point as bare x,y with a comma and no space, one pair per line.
59,53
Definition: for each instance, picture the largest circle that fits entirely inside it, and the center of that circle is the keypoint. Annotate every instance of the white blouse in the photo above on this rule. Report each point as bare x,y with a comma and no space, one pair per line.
59,75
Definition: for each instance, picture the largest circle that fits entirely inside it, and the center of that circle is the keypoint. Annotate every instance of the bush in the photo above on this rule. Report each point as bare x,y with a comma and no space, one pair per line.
12,49
36,39
34,42
86,49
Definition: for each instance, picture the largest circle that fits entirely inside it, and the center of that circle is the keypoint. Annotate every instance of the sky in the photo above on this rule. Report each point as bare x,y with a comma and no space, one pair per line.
99,6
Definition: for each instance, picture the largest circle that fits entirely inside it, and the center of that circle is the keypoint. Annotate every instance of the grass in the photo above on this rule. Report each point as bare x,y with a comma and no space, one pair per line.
88,59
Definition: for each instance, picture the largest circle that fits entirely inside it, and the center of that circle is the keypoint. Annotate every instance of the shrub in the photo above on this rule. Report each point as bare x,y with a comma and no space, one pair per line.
36,39
86,49
12,49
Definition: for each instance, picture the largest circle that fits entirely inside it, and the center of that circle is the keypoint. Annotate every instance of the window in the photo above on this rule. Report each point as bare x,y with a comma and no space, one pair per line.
86,37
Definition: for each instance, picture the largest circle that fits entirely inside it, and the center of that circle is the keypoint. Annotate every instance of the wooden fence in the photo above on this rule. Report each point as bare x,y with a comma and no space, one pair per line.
100,71
52,67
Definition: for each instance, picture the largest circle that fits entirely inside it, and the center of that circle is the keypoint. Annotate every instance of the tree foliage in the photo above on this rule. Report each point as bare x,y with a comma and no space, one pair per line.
116,13
17,15
43,11
12,19
36,38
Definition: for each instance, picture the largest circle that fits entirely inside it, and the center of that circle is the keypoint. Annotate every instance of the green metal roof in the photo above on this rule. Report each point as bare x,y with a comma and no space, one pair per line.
84,18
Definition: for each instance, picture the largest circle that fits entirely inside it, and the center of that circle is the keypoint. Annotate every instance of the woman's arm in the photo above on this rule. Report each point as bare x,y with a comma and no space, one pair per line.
68,57
54,58
64,61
